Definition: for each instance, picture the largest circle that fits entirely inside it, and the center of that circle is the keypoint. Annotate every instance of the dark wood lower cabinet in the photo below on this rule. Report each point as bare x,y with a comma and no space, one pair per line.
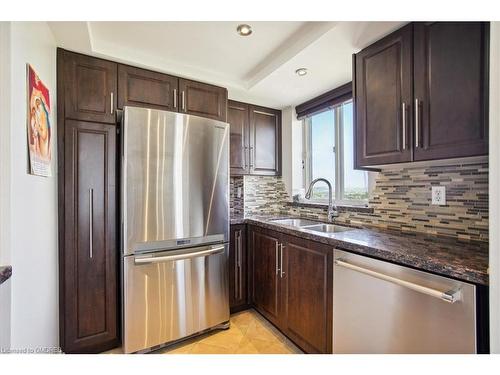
307,290
292,286
264,247
238,269
88,252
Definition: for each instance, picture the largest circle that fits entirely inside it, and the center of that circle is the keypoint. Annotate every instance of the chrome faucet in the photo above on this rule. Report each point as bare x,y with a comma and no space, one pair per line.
332,209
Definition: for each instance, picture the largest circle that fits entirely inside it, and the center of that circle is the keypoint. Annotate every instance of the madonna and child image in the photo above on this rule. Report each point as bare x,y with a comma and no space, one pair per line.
39,130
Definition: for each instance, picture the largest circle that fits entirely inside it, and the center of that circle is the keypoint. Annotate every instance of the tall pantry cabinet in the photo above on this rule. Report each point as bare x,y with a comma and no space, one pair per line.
87,165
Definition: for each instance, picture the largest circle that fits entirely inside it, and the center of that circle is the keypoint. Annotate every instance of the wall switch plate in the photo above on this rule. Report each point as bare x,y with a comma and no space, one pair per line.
238,192
439,195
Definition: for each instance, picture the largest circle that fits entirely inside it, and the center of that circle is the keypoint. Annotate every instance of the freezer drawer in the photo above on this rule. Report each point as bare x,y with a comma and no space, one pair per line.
174,294
379,307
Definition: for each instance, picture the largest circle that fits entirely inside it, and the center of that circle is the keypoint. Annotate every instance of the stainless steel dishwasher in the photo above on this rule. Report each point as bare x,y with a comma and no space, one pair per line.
379,307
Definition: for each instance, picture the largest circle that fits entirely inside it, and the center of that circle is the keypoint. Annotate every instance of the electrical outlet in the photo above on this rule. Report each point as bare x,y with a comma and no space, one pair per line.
439,195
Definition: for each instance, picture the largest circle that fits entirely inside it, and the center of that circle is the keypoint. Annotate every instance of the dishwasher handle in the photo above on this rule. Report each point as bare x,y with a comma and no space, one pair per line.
183,256
451,296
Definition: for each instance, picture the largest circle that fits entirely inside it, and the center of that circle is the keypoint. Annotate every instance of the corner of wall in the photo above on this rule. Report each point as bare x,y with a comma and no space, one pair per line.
5,256
286,148
292,151
494,178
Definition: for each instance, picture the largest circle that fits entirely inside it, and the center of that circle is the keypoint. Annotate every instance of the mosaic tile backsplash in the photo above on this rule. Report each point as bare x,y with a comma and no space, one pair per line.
235,203
401,200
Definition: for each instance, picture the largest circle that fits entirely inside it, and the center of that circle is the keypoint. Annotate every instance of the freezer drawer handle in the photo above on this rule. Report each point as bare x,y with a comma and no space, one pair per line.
449,296
170,258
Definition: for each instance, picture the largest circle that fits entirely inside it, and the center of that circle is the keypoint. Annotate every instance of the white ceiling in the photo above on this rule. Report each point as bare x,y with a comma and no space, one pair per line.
259,68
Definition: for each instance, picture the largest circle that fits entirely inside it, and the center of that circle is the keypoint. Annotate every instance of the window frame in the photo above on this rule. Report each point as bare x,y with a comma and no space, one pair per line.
339,158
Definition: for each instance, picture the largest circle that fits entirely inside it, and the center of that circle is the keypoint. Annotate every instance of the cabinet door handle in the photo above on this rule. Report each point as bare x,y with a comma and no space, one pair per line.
251,156
112,104
236,266
416,124
240,273
282,273
239,252
450,296
175,98
91,223
183,98
277,259
404,124
244,151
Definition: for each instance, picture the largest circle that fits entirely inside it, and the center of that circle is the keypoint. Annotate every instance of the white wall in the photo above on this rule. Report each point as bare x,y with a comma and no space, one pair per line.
5,289
291,141
33,200
286,144
494,193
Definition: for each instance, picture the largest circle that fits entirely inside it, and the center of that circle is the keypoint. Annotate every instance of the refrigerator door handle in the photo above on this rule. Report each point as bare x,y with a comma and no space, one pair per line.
447,296
170,258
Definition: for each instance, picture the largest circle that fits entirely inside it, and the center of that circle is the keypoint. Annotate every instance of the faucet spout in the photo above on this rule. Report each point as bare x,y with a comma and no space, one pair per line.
332,209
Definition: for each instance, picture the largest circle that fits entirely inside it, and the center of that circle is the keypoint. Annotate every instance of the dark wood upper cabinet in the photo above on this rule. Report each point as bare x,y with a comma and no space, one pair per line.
144,88
383,86
265,141
265,276
238,119
201,99
89,88
238,268
421,93
88,278
307,293
451,89
255,142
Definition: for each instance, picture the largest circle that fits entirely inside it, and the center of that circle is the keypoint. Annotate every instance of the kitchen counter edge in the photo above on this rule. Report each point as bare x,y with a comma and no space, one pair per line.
433,254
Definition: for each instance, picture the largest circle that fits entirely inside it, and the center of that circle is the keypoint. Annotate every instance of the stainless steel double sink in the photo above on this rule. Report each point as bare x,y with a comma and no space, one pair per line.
311,225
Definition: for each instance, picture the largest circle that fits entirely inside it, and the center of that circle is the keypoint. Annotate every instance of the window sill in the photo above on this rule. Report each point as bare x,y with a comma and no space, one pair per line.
340,207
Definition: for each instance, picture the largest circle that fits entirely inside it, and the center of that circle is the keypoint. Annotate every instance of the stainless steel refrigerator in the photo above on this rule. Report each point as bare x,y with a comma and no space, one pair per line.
175,226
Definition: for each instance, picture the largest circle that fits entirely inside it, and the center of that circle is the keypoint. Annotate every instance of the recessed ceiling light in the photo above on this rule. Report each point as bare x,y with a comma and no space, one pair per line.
301,71
244,29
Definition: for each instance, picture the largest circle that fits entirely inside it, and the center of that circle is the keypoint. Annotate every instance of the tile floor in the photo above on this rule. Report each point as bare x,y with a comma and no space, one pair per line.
250,333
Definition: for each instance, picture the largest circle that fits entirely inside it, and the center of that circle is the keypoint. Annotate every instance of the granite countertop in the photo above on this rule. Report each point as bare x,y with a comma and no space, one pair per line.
5,273
460,259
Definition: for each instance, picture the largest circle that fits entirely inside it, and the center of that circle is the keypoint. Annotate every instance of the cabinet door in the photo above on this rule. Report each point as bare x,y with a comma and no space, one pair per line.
144,88
383,86
238,117
265,141
90,88
89,261
201,99
451,87
307,286
237,268
265,273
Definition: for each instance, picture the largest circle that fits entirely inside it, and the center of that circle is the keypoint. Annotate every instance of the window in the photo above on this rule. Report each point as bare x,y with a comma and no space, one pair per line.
329,153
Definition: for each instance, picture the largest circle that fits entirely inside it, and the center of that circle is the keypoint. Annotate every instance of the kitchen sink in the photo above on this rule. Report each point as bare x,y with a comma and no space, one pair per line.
327,228
295,222
311,225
